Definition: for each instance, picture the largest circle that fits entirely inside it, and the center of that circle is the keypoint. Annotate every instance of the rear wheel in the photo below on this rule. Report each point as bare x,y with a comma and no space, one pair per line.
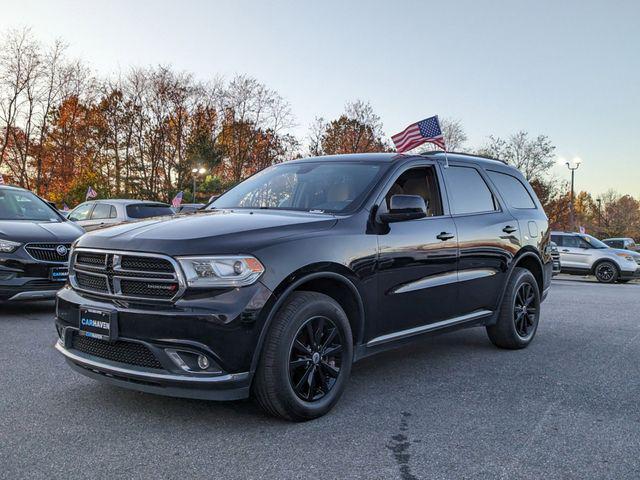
306,358
519,312
606,272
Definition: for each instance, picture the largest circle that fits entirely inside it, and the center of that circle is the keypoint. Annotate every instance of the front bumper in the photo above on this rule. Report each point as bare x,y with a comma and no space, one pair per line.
23,278
224,326
230,386
630,275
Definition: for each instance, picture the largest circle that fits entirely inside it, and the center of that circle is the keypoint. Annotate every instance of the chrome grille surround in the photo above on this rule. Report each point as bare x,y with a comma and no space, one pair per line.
113,273
46,252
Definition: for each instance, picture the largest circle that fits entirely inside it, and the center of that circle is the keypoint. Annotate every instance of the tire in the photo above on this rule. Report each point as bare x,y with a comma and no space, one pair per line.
514,328
290,352
606,272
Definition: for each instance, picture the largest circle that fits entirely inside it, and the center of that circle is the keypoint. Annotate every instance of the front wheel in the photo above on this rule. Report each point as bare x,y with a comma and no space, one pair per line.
519,312
306,358
606,272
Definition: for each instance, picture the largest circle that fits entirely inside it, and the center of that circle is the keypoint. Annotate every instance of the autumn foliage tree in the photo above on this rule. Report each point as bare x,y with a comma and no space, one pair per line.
357,130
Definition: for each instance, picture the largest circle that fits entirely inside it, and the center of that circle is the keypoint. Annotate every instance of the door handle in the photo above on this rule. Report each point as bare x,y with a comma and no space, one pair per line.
445,236
509,229
565,250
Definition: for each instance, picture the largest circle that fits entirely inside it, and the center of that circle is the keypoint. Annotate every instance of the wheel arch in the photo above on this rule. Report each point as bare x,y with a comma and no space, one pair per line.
526,258
605,259
333,280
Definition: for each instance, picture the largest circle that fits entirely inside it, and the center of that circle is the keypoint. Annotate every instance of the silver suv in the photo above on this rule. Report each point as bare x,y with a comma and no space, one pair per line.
106,213
582,254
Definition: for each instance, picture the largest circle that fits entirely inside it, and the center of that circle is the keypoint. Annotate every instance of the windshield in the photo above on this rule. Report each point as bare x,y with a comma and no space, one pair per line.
146,210
331,187
594,242
22,205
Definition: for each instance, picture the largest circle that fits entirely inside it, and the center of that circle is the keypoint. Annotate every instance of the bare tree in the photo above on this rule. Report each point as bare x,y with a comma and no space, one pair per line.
533,157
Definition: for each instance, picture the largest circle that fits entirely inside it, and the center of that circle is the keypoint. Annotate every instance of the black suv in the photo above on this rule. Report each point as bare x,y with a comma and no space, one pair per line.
285,280
34,246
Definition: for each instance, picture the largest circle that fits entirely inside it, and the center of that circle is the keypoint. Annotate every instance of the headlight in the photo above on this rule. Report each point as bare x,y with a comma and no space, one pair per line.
626,257
7,246
221,271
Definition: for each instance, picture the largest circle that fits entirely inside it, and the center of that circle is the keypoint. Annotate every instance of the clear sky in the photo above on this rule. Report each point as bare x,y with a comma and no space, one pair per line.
567,69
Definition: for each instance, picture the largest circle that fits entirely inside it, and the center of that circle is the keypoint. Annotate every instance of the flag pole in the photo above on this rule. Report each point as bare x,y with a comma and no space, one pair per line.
446,159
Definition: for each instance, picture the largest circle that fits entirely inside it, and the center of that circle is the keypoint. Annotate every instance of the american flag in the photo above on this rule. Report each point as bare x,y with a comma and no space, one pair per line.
177,200
427,130
65,207
91,193
1,179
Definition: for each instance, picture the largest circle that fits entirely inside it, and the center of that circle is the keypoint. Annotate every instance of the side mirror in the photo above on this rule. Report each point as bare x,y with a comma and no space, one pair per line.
405,207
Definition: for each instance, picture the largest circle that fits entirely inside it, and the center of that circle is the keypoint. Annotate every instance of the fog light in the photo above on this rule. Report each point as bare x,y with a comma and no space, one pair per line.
203,362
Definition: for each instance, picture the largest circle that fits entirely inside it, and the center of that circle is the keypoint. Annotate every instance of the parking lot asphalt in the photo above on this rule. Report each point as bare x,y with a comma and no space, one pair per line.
450,406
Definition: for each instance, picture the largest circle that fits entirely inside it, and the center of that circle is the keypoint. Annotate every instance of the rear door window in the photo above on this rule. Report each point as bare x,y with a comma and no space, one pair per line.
557,239
468,192
512,190
102,211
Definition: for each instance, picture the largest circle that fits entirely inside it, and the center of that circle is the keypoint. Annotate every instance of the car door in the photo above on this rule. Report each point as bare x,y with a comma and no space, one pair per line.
81,214
575,253
488,238
416,258
103,215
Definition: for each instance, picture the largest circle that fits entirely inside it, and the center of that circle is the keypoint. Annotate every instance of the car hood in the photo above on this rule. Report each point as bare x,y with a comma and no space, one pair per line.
631,253
210,232
24,231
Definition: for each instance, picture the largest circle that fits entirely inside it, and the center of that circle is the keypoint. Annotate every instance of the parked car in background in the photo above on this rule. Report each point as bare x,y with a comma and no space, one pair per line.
582,254
622,243
189,207
96,214
555,255
302,269
34,246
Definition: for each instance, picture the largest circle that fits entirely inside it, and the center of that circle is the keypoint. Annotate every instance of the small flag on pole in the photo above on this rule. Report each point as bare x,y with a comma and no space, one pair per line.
1,179
91,193
582,230
427,130
177,200
65,207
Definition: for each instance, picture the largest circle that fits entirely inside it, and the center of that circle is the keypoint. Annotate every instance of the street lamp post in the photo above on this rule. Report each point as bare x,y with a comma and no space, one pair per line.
599,200
572,166
196,172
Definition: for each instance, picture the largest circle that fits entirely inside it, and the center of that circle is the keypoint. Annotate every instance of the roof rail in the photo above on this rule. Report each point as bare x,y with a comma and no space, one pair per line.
466,154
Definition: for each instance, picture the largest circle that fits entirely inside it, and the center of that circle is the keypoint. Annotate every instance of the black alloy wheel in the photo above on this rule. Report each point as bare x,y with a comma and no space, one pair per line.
306,358
315,359
606,272
525,312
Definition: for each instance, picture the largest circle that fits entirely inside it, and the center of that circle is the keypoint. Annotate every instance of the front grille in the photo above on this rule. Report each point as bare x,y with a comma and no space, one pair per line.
123,274
90,258
136,288
92,282
129,353
49,252
149,264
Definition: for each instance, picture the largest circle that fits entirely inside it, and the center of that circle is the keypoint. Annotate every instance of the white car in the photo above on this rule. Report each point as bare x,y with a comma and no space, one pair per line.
105,213
582,254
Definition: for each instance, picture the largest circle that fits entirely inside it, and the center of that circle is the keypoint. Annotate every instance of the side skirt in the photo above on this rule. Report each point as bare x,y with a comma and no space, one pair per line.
396,339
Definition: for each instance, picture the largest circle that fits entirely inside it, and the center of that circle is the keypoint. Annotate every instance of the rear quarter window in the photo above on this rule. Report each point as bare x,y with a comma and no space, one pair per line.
512,190
146,210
